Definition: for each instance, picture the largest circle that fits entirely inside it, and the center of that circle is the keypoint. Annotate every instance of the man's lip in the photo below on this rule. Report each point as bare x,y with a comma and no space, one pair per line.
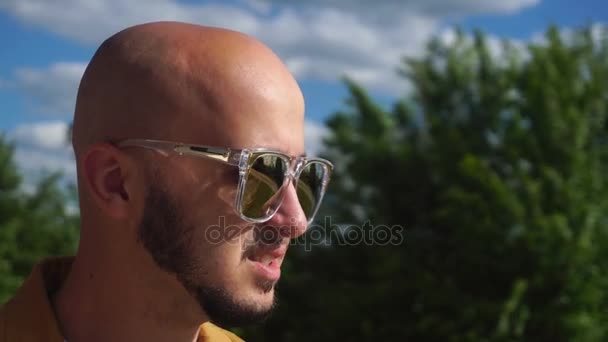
272,270
274,252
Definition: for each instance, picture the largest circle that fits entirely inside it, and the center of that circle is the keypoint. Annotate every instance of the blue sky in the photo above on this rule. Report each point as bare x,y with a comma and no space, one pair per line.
46,45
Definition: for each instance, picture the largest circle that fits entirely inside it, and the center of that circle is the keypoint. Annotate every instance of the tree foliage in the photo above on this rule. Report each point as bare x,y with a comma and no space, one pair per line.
495,167
33,225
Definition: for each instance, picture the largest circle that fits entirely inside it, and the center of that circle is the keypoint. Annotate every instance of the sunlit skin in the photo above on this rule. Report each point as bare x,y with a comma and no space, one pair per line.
192,84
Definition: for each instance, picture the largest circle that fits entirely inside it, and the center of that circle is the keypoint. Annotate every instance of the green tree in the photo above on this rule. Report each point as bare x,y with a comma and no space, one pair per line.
495,167
32,225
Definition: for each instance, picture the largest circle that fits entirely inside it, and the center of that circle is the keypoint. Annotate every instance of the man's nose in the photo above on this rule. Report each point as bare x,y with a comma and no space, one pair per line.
289,218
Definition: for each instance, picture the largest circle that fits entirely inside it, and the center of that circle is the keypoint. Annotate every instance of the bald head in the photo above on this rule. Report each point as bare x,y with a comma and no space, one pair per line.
182,83
171,80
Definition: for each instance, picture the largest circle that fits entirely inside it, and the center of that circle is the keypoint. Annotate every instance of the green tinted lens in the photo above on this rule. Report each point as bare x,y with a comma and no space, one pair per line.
310,187
263,181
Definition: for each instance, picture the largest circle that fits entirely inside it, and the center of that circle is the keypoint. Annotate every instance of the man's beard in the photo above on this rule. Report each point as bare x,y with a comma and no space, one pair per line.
169,240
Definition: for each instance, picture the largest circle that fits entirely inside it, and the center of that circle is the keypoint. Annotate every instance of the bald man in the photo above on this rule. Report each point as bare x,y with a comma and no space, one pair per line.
192,180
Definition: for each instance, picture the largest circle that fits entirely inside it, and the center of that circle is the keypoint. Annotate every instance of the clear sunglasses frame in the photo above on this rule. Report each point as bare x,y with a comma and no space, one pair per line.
243,159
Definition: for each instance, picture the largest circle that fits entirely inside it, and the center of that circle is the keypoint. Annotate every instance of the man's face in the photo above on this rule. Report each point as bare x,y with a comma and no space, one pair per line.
191,229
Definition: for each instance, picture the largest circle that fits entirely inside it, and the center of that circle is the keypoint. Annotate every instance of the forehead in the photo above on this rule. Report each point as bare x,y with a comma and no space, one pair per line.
261,117
276,132
276,125
244,99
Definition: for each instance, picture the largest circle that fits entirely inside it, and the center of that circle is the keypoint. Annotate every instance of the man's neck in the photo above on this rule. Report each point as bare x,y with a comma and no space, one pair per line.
120,303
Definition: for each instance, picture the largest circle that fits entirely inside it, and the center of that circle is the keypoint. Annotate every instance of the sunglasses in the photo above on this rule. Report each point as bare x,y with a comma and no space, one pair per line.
263,176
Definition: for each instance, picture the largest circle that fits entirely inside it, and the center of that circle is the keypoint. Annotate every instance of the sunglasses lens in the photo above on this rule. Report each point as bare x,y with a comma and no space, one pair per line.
310,187
261,194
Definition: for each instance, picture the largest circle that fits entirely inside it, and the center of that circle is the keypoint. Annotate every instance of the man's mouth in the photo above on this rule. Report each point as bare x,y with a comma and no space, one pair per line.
267,263
266,260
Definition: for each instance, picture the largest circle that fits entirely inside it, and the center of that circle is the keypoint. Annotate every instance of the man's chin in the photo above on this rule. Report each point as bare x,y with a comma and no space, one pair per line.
264,300
226,310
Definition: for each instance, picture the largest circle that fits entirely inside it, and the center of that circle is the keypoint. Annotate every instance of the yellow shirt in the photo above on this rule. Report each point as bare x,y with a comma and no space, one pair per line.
28,316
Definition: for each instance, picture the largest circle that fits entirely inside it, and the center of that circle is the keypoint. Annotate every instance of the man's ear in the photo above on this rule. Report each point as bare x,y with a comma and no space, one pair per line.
109,174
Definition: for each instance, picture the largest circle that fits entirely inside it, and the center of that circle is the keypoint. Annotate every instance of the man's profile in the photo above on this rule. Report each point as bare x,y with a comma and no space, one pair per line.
192,180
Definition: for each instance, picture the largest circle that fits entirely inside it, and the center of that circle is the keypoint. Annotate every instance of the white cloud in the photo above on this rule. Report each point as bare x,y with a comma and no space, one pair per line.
43,147
259,6
317,39
52,90
51,135
438,8
494,44
314,133
33,161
